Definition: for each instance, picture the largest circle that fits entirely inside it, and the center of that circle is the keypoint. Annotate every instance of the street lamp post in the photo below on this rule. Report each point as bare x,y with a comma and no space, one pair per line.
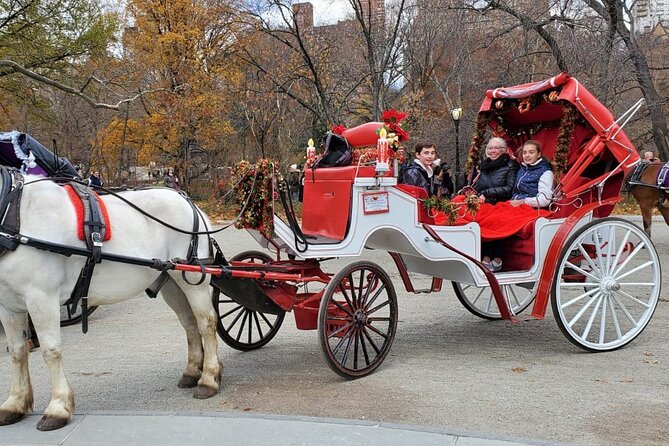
456,113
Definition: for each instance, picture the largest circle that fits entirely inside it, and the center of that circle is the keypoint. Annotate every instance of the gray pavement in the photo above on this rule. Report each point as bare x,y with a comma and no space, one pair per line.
172,429
450,378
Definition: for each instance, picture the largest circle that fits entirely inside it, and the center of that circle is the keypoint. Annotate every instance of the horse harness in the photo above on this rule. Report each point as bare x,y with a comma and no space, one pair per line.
94,233
661,182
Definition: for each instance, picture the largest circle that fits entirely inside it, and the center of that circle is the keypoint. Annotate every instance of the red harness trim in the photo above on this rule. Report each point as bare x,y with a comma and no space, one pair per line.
79,209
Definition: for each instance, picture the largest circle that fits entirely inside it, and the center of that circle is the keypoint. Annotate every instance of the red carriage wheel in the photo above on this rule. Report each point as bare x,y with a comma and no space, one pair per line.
240,327
357,319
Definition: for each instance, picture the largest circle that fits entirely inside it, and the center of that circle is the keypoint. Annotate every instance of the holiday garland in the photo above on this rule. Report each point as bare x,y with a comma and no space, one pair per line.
453,211
567,125
254,195
565,135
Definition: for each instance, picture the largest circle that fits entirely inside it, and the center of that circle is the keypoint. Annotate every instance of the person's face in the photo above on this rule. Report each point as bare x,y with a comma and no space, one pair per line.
426,156
531,154
494,150
96,173
648,156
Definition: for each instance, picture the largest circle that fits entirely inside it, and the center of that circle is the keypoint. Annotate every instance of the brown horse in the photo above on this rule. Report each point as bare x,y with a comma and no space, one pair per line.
643,187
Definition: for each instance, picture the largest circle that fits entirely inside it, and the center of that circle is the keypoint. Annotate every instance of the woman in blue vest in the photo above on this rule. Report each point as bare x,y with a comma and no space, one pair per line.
534,181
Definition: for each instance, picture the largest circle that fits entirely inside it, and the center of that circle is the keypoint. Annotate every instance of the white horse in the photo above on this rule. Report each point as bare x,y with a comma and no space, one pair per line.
37,282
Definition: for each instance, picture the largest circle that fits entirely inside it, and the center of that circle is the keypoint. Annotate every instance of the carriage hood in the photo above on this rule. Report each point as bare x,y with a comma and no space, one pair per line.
599,152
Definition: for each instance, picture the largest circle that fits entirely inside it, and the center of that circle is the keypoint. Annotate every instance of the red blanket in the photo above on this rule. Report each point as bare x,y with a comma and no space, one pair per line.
501,220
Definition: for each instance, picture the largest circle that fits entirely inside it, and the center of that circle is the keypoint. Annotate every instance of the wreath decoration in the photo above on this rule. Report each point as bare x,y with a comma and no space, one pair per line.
254,196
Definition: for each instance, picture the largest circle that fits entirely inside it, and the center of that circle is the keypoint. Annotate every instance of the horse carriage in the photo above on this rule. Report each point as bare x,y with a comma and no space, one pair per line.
601,273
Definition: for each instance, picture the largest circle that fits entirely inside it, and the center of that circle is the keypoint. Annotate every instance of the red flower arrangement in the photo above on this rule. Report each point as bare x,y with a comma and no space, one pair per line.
338,129
392,120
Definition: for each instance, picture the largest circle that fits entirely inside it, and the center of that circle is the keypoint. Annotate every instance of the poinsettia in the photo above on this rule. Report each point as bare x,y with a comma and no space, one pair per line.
338,129
392,123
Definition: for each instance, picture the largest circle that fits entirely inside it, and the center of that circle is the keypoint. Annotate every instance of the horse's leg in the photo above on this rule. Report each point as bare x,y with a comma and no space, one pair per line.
177,300
20,399
199,298
45,313
646,197
664,210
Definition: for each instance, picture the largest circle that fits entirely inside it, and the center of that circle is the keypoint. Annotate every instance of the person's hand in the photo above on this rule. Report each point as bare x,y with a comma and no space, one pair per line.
516,203
481,198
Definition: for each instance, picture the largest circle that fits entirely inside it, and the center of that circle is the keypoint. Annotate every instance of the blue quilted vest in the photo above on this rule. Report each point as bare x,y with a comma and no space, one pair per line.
527,180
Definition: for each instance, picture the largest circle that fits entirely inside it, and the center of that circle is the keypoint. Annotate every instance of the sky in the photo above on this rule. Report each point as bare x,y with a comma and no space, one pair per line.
330,11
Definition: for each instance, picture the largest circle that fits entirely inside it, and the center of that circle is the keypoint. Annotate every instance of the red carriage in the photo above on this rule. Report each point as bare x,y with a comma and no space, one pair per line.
601,273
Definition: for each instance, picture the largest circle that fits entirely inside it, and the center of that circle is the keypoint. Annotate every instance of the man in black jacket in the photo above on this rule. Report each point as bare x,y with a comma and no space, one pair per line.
420,173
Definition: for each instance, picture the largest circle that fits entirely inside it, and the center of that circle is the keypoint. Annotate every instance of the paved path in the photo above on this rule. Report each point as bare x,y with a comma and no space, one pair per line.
448,372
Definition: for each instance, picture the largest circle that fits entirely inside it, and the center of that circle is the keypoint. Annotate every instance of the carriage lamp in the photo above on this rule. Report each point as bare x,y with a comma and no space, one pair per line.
311,150
456,113
382,153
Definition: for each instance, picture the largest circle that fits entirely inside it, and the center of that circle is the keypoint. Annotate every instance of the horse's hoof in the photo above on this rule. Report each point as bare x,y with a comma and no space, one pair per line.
48,423
204,392
187,382
7,418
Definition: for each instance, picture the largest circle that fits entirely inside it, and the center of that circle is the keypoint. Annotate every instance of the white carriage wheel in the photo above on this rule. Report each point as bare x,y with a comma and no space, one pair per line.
607,284
481,302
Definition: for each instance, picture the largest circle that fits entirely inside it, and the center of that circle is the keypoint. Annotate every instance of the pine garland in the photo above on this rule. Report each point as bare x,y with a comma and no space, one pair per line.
473,155
254,195
565,135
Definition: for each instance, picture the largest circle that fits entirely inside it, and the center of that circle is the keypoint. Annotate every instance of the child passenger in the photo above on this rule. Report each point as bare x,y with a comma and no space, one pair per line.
534,182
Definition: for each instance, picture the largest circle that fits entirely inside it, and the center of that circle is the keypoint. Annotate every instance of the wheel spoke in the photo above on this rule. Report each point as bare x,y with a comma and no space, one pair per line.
354,299
241,326
339,330
636,284
345,310
271,325
611,243
364,348
380,319
250,328
478,296
237,308
583,310
638,268
376,295
371,341
614,317
377,331
378,307
581,270
341,341
579,298
621,266
602,321
591,319
511,292
350,335
255,316
634,299
346,297
232,324
621,247
363,302
586,256
625,311
355,349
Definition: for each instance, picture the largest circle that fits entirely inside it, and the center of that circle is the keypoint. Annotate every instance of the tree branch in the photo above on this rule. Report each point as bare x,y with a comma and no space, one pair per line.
67,89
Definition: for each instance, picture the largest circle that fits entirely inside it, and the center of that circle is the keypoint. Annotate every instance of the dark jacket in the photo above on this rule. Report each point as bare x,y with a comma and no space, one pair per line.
416,175
496,178
94,181
527,180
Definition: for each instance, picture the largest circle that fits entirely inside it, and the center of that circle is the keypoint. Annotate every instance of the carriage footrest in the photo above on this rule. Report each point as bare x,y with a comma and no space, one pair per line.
245,292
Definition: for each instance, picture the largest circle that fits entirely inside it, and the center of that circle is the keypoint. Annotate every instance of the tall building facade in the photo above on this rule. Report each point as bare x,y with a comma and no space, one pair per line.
648,13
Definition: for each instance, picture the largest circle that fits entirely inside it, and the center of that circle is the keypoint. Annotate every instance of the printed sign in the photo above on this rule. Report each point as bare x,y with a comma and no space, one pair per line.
375,203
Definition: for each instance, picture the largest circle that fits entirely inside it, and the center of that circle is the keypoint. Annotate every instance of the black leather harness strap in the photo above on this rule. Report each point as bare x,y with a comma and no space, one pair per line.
94,233
10,206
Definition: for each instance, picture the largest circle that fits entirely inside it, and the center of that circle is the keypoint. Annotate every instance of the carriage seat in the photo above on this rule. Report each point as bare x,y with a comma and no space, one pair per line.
326,207
419,194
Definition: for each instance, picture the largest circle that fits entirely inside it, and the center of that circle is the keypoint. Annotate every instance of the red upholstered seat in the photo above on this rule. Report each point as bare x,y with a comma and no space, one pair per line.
326,207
